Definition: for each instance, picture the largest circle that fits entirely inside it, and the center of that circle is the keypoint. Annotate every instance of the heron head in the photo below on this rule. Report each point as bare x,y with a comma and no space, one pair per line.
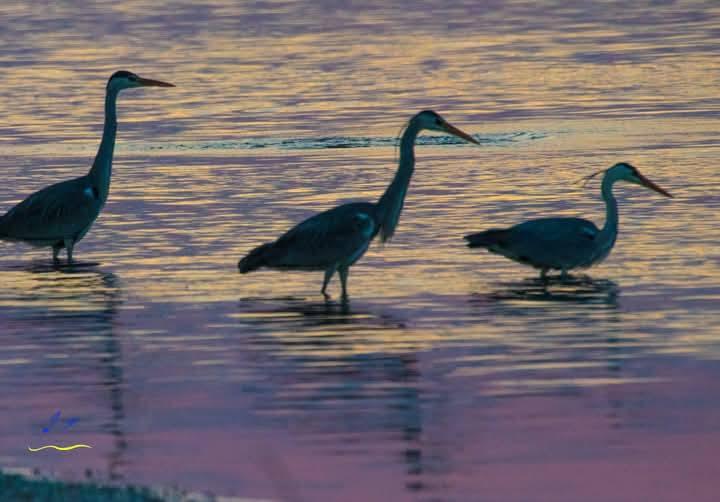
627,172
125,80
431,120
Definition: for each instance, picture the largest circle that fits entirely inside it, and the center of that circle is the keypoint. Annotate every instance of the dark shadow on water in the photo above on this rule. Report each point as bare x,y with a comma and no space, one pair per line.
45,266
277,313
573,290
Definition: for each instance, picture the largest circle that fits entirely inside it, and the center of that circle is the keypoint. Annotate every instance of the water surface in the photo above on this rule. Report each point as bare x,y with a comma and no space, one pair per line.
451,374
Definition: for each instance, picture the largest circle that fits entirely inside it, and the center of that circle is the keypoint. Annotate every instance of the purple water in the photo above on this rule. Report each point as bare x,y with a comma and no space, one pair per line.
451,375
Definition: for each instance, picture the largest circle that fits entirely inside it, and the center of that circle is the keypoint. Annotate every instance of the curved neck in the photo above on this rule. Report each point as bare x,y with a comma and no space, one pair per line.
102,166
390,204
610,228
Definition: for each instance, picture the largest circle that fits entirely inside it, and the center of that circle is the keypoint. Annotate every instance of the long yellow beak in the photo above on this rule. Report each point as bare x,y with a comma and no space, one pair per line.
652,186
148,82
460,134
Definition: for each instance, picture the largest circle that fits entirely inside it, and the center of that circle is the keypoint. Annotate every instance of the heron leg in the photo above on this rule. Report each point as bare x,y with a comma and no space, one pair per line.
343,271
543,274
328,275
69,244
56,251
563,275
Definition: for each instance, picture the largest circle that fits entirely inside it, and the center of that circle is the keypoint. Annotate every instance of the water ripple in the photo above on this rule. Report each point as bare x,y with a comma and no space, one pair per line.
502,139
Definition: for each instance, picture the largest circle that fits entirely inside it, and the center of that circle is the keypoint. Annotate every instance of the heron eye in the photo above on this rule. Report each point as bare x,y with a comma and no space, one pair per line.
438,121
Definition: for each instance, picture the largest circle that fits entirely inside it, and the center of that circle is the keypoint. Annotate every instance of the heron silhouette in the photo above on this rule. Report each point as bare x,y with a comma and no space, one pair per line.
59,216
564,243
332,241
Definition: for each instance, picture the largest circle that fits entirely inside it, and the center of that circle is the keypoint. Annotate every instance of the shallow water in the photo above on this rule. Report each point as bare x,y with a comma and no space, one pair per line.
451,374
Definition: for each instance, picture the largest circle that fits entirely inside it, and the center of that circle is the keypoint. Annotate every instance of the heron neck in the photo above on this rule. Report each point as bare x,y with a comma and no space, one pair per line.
611,209
391,203
102,165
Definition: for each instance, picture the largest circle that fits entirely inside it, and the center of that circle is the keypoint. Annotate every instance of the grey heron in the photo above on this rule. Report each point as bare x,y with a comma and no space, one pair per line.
564,243
332,241
60,215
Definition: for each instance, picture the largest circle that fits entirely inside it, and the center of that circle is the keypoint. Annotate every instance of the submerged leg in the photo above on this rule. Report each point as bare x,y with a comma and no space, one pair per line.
563,275
69,244
343,280
543,274
56,250
328,275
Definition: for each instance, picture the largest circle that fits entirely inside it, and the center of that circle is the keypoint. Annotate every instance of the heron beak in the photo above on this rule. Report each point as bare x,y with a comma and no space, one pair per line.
652,186
460,134
148,82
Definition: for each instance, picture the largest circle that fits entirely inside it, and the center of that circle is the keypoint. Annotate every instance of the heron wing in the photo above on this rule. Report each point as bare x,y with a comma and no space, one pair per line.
60,211
552,242
328,238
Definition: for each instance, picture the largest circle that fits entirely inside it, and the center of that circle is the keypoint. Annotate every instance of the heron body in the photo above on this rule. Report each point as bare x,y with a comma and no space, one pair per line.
563,243
332,241
59,216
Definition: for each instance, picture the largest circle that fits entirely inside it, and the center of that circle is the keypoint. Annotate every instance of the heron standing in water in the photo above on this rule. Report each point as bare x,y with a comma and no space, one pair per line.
334,240
60,215
564,243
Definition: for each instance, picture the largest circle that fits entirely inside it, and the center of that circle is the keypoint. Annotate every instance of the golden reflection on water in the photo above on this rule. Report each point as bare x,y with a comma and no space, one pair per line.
57,290
203,173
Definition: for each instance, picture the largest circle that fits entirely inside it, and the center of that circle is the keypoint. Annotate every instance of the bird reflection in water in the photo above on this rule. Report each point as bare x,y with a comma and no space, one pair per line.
270,313
571,320
354,380
572,289
80,303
